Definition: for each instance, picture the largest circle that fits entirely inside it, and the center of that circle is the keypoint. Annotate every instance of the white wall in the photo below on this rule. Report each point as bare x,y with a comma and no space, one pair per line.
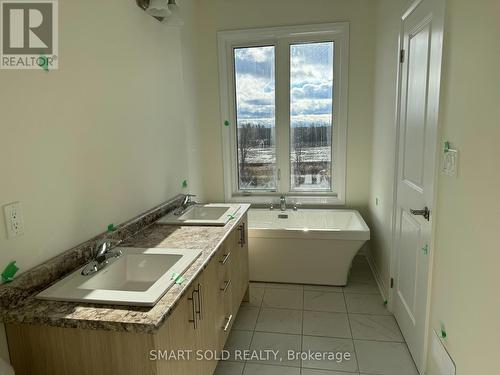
191,83
381,206
216,15
98,141
465,294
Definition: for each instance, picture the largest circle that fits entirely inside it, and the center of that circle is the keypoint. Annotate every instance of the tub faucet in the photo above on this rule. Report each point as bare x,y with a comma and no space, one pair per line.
282,203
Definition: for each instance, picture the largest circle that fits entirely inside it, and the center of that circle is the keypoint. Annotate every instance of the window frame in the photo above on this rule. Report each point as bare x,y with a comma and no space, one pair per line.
282,38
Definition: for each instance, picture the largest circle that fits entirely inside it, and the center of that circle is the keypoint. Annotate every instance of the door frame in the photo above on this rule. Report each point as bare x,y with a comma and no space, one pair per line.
439,8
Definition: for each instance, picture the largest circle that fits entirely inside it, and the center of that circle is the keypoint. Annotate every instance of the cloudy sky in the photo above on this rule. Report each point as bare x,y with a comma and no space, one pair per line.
311,84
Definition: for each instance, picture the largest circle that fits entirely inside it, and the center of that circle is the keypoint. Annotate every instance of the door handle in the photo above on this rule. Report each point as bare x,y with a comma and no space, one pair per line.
426,213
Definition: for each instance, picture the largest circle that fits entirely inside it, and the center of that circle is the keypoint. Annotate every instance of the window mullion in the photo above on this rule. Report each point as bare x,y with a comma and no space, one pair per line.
283,114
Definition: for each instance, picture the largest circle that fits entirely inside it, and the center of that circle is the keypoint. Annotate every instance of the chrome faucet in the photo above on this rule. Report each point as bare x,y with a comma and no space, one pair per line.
186,203
282,203
103,253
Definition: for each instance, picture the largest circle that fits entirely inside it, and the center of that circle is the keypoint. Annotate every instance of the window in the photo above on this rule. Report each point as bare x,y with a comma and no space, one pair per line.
284,104
255,116
311,107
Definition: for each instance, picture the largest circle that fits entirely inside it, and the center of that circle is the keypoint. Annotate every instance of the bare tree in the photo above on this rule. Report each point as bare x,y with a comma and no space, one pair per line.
298,148
244,138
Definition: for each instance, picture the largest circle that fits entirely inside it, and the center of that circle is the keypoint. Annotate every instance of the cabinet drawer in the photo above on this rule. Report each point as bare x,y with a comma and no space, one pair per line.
224,257
228,313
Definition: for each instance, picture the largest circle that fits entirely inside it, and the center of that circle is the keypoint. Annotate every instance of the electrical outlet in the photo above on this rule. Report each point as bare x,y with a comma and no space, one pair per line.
14,219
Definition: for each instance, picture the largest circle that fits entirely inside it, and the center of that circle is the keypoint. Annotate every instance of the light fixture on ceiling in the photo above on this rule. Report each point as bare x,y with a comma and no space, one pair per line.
166,11
158,8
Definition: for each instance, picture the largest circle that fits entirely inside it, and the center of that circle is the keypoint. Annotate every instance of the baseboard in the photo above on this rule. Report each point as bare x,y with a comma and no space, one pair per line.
376,273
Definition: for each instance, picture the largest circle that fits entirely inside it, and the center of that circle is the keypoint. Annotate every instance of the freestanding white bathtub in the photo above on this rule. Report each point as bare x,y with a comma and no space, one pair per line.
307,246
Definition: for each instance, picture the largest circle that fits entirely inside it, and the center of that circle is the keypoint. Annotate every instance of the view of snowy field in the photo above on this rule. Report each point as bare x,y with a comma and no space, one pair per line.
260,165
267,155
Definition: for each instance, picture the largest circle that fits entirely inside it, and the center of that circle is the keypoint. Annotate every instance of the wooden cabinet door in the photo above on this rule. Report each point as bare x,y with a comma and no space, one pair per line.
242,244
235,272
210,318
240,263
180,333
225,260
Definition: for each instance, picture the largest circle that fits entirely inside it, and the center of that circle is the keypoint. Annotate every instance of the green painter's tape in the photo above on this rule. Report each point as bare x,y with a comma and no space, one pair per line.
446,146
111,228
227,123
9,272
443,331
178,279
185,184
231,217
425,249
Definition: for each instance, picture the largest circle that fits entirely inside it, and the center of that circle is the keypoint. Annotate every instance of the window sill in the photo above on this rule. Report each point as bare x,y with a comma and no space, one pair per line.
316,200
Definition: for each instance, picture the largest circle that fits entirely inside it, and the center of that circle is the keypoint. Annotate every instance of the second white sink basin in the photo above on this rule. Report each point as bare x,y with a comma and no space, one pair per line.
139,277
203,214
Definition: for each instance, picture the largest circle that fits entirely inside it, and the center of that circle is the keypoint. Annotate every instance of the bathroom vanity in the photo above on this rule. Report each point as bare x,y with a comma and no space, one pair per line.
54,337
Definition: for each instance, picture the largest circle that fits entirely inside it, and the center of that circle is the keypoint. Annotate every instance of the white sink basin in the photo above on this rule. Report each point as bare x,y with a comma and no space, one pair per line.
139,277
203,214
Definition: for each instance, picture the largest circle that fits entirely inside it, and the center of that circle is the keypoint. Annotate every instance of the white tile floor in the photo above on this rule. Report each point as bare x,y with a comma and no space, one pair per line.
320,319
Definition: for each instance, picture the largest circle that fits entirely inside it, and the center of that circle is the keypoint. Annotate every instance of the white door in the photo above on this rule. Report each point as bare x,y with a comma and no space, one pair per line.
421,41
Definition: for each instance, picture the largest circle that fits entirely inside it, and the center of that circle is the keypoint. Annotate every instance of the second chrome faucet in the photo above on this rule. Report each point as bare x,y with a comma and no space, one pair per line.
283,203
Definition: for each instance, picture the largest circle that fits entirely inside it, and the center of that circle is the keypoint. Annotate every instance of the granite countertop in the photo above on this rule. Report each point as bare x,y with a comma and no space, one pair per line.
29,310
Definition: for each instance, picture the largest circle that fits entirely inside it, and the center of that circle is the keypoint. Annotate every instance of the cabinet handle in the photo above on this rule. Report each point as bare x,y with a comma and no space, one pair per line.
193,308
226,285
228,322
200,303
225,258
242,240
